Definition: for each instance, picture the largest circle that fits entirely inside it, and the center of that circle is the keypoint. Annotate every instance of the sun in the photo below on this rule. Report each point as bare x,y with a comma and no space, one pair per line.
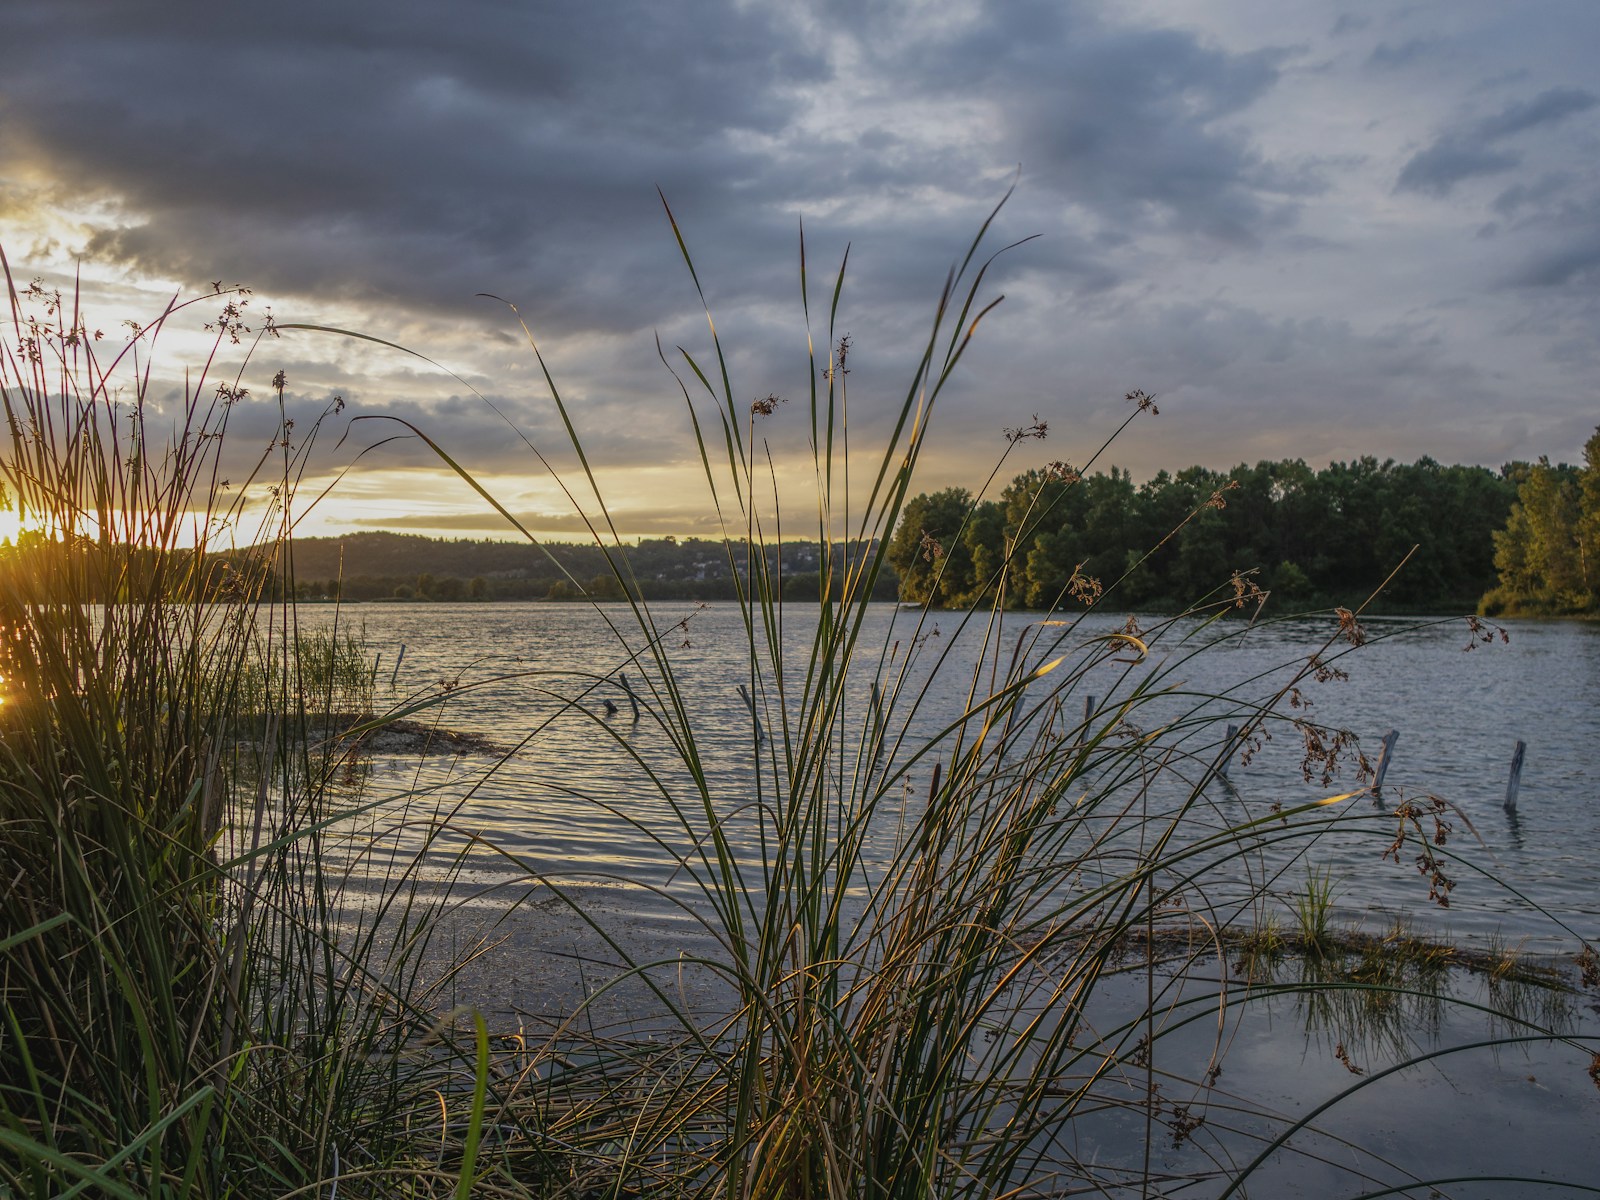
10,525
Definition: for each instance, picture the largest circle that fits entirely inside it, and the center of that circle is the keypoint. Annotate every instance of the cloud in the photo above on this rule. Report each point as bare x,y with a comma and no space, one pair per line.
1556,223
416,160
1466,151
1390,56
1136,126
1553,105
652,522
1446,163
1570,264
1521,196
379,174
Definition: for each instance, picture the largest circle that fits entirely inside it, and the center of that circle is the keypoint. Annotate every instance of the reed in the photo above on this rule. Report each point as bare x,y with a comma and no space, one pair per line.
194,1002
947,944
931,1018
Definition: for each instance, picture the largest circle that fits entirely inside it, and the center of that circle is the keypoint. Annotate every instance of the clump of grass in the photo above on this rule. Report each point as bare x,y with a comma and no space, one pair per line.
1261,947
318,672
1313,912
918,1019
192,1005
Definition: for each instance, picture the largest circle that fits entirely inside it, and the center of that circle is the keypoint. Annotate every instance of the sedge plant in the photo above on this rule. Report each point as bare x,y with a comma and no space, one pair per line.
194,1005
938,1011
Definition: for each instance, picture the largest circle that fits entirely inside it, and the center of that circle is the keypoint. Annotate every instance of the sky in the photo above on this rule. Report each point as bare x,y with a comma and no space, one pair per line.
1315,229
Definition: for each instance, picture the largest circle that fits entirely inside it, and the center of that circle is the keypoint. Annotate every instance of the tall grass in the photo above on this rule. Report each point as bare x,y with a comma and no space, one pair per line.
937,1019
947,943
193,1005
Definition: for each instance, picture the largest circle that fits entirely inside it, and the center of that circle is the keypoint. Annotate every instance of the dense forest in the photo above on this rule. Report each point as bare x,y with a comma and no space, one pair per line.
1309,537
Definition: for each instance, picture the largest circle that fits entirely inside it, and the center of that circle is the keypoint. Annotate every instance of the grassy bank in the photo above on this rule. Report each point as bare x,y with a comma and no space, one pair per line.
191,1008
197,1006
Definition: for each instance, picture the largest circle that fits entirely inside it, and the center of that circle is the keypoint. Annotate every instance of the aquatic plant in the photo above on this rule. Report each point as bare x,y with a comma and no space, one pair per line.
194,1003
947,1013
968,953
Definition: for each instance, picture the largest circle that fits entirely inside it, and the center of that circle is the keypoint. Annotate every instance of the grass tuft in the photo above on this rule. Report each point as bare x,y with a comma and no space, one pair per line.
949,938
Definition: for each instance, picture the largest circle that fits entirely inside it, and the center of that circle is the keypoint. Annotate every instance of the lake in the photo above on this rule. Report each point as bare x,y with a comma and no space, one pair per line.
1459,714
573,805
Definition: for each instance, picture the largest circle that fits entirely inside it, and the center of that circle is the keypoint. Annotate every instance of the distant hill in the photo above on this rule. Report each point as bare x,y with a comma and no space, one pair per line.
379,565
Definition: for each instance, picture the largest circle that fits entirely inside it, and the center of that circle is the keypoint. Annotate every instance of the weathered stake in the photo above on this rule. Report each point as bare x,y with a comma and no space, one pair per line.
1515,782
1088,713
1384,758
1227,750
632,699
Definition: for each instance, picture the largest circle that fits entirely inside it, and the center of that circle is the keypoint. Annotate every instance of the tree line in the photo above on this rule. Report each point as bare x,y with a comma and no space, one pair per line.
379,565
1310,537
1548,553
1521,540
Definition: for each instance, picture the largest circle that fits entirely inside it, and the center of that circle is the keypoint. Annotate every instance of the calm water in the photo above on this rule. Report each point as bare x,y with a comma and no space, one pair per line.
525,668
571,807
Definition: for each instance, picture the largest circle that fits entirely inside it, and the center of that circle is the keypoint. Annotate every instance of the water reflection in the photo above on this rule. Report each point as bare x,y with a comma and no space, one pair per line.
541,672
1181,1046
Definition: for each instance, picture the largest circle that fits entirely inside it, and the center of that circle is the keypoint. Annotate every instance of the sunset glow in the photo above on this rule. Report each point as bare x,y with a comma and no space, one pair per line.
1313,234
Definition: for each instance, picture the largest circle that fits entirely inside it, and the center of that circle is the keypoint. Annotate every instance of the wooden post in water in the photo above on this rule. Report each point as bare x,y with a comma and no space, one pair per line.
754,716
1385,756
1226,760
1515,782
400,658
622,678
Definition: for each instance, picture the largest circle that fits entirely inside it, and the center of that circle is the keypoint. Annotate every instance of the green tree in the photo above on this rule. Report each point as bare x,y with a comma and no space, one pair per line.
1589,519
1289,582
928,550
987,542
1550,500
1545,554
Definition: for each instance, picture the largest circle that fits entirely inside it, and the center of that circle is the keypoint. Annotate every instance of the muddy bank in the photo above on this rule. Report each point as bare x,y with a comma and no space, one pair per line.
358,733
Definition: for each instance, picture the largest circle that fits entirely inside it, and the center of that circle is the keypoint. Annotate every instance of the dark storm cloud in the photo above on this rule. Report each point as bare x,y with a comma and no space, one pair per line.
1520,196
1569,265
1468,150
1131,124
1555,221
446,150
1216,194
439,151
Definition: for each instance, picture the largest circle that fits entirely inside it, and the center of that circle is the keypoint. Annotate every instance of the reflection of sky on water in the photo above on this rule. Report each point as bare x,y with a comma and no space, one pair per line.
1526,1110
573,800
